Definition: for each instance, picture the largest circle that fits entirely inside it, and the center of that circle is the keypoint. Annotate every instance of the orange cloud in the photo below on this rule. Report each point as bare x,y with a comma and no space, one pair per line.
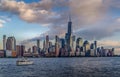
109,43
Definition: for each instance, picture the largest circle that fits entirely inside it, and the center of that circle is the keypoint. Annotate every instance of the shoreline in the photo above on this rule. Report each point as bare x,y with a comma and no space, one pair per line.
63,57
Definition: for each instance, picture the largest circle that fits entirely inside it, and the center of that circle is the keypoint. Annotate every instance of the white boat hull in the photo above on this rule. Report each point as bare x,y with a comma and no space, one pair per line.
19,63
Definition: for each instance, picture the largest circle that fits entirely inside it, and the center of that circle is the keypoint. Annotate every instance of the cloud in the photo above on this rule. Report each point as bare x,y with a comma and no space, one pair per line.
1,25
109,43
7,19
118,20
93,33
88,11
42,12
113,3
100,32
87,16
2,22
39,12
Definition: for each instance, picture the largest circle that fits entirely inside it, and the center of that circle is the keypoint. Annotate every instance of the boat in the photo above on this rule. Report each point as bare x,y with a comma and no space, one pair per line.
23,62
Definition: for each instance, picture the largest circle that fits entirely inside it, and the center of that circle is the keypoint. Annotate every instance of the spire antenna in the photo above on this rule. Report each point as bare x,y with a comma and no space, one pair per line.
69,17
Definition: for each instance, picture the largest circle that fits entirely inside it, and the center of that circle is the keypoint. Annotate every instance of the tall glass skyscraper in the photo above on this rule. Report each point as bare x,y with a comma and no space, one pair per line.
68,36
4,42
11,43
69,26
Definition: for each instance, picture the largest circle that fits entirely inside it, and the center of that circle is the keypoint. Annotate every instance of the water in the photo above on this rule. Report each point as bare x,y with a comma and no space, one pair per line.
62,67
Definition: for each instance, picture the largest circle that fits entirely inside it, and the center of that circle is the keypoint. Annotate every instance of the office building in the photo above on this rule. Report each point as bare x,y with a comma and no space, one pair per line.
79,42
34,49
47,41
68,36
87,48
4,42
62,43
2,53
38,46
50,44
38,43
44,46
73,43
20,49
56,46
95,52
11,44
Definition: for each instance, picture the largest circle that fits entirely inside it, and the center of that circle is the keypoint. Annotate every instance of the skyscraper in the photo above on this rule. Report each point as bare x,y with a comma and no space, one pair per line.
62,43
56,46
69,26
87,47
79,42
68,36
95,52
38,46
18,50
38,43
44,45
4,42
50,44
11,43
47,42
22,50
34,49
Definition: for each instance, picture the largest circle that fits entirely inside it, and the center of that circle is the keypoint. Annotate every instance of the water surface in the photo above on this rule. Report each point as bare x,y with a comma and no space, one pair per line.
62,67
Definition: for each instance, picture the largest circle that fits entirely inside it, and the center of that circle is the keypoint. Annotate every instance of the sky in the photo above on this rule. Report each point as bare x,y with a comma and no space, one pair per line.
29,20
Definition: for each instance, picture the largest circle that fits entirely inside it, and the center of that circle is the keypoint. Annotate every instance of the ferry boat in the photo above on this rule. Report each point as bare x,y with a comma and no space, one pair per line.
23,62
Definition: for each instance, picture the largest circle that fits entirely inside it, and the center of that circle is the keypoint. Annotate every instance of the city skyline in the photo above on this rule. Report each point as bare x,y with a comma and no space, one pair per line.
69,46
34,19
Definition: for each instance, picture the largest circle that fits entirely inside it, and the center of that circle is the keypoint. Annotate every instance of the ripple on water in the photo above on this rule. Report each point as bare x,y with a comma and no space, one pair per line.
62,67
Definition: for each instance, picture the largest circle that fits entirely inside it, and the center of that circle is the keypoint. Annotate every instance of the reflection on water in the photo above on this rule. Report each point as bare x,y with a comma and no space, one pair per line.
62,67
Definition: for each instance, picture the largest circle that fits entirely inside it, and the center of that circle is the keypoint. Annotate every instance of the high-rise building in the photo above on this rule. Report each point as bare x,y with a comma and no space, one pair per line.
62,43
56,46
69,32
72,46
50,44
87,48
38,43
11,44
79,46
73,42
47,42
68,36
20,49
92,46
79,42
44,45
34,49
4,42
38,46
95,52
113,51
69,26
29,50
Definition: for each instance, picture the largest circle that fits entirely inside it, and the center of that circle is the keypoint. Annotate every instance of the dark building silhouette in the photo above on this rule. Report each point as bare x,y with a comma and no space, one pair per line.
11,43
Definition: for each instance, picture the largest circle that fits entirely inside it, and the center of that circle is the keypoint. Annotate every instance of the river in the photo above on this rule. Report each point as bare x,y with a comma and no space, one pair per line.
62,67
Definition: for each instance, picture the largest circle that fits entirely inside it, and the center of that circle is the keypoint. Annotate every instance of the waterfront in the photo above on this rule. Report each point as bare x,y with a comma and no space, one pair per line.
62,67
